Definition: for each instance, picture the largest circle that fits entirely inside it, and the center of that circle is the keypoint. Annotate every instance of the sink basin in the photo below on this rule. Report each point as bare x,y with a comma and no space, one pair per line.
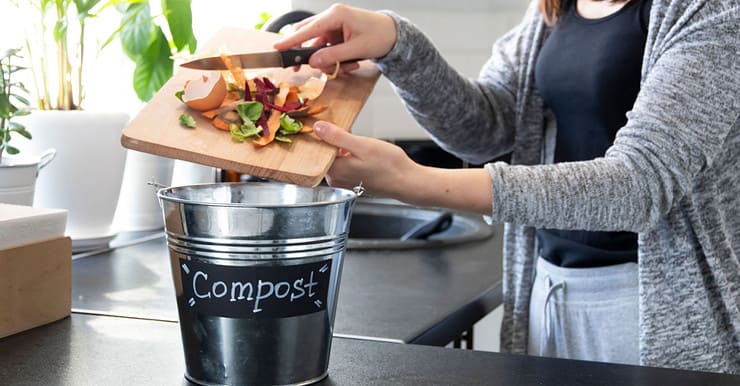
380,225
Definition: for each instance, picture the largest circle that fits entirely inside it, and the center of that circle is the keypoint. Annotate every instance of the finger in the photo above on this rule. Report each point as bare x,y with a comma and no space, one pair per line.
349,67
345,67
290,41
318,42
310,30
340,138
300,24
342,173
326,57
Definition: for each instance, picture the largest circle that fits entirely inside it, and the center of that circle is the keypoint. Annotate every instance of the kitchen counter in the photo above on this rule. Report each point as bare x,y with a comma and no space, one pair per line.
101,350
423,296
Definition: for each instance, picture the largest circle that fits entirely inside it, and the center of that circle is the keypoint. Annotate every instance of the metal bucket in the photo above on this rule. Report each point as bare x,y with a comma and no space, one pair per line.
256,268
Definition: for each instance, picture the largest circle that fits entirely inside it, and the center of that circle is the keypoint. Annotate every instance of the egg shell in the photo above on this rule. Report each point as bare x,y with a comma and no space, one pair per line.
206,92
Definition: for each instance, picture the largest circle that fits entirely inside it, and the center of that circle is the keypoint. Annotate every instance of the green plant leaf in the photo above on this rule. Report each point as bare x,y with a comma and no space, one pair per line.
247,130
138,30
4,107
236,133
153,68
22,131
60,29
84,7
263,18
290,125
9,52
280,137
193,44
250,111
11,149
45,4
21,99
187,120
180,20
19,85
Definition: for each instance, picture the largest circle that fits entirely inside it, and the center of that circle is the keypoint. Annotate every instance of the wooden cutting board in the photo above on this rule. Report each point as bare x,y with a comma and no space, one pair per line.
156,129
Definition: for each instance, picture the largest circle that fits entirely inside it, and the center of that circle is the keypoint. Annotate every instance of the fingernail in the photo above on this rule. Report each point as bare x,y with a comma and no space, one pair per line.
320,126
318,61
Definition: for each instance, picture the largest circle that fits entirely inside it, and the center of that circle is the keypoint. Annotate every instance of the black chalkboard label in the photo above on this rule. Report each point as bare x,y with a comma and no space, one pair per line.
256,291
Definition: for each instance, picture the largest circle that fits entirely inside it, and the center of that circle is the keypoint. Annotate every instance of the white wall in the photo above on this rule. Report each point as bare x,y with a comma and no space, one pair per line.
462,30
463,34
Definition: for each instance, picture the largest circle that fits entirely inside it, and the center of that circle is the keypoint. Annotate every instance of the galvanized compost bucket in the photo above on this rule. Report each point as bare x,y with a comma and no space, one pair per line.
256,268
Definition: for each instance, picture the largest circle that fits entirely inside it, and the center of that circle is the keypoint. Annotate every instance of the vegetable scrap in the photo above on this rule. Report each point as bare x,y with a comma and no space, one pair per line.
335,73
260,111
187,120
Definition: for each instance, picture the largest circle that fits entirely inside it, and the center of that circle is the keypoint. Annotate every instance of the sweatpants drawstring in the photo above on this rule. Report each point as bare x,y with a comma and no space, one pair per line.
545,335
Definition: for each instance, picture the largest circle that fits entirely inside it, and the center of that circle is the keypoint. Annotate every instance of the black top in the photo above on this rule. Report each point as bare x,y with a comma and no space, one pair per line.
588,73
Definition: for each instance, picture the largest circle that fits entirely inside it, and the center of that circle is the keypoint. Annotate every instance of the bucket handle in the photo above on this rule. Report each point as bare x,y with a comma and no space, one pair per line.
153,183
47,157
359,189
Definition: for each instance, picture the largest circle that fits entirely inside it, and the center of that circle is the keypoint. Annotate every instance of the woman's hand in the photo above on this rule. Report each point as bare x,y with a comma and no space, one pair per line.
385,170
351,33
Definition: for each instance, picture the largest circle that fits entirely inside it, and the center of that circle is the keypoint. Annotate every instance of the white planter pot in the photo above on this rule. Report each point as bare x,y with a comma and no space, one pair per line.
138,206
86,176
18,177
189,173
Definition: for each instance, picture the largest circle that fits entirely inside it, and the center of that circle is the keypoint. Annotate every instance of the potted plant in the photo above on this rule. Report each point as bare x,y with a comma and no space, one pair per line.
86,177
150,40
13,102
17,175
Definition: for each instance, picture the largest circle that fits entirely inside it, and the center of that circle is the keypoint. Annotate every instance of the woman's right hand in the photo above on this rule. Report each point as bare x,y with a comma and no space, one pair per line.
350,33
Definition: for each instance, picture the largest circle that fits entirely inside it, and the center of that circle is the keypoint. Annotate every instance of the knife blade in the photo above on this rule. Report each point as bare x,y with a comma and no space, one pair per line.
266,59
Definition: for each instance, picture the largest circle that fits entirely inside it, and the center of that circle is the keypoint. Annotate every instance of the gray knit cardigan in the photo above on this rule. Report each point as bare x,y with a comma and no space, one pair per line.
672,174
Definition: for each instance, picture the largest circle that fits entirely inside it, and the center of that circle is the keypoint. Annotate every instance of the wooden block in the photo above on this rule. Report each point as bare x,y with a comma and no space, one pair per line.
35,284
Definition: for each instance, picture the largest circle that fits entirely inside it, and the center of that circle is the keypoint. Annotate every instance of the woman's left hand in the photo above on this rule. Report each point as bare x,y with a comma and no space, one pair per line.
383,168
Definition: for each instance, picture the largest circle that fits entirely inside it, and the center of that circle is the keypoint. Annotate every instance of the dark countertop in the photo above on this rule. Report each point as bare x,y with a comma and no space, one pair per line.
424,296
100,350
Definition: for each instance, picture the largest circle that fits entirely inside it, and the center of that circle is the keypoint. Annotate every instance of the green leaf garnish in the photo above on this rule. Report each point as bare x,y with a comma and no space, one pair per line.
283,138
187,121
250,111
290,125
247,130
231,87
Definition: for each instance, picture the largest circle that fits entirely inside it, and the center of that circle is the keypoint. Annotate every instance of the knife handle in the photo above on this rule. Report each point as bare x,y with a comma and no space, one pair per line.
295,56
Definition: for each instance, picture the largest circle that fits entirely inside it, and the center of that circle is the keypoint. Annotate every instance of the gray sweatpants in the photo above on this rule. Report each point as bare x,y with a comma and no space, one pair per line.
585,313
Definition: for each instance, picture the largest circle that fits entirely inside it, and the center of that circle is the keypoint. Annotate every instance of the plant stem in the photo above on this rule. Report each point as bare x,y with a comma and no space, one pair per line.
61,44
65,98
6,95
80,93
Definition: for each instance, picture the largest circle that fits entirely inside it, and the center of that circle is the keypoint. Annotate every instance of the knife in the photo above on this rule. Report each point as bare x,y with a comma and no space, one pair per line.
286,58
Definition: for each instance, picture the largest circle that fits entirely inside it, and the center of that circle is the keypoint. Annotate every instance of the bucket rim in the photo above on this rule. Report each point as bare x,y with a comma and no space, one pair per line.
346,196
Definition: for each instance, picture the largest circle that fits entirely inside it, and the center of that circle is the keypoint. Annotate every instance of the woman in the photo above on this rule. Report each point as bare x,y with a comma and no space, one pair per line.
627,238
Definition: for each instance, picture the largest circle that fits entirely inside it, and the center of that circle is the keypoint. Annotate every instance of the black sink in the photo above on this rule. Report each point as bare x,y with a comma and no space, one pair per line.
382,225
